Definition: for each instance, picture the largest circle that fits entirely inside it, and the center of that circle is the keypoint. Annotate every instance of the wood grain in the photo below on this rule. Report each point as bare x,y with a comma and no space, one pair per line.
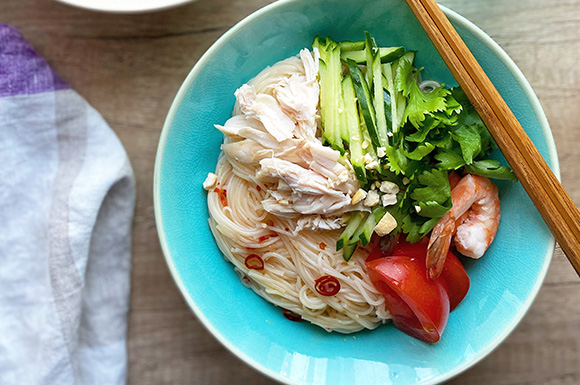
129,68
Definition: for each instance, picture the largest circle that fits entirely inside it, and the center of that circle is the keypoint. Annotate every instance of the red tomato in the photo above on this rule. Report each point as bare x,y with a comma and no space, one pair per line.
419,305
456,279
375,248
454,275
418,249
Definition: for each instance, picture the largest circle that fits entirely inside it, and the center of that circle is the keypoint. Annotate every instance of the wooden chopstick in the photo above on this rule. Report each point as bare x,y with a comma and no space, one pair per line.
540,183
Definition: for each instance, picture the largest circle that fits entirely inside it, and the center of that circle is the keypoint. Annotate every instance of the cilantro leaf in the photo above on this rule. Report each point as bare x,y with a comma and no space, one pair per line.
403,74
421,151
417,227
469,140
449,160
421,104
434,186
398,162
492,169
421,134
433,209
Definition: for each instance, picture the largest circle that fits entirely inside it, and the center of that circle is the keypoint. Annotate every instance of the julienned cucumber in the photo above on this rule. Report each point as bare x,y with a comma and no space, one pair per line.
349,46
331,111
377,85
359,228
356,109
354,129
365,101
365,230
386,54
353,223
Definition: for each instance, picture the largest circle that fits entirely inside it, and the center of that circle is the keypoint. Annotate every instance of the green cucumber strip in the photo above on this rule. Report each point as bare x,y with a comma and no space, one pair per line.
355,236
389,85
354,130
379,103
348,251
325,97
370,150
365,101
344,130
330,72
322,45
337,110
390,54
387,54
369,225
353,223
349,46
371,50
360,57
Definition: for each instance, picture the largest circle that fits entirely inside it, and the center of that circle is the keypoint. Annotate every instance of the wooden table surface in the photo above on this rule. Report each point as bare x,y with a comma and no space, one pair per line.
129,67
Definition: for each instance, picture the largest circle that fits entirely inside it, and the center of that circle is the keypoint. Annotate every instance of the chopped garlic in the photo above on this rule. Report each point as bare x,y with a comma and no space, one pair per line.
372,198
418,209
367,158
388,199
358,196
355,138
210,181
406,181
381,152
372,165
390,134
385,225
389,187
365,144
284,202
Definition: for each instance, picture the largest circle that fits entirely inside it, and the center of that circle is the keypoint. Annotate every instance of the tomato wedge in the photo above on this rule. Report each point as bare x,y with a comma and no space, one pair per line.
456,279
453,273
420,306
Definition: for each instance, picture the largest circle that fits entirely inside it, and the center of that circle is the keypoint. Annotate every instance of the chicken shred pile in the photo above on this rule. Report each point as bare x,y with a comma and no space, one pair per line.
275,134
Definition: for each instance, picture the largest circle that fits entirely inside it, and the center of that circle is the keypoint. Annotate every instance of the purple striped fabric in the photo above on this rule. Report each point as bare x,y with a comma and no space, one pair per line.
22,70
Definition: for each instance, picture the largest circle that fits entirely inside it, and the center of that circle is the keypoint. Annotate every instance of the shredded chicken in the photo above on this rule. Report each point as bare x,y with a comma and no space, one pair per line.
275,133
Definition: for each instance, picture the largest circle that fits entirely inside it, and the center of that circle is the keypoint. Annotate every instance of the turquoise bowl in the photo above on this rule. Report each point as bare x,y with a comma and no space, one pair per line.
503,283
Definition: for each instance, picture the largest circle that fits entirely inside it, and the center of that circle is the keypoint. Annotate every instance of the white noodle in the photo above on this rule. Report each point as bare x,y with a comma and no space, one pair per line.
293,259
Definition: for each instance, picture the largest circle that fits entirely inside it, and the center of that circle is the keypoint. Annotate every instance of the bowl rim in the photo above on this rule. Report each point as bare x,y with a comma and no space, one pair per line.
227,36
133,6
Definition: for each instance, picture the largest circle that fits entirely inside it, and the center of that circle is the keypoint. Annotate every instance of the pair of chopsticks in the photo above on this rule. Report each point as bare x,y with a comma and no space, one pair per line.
540,183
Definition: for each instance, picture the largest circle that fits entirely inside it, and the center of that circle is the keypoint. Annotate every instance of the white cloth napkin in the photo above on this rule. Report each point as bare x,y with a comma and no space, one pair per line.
67,196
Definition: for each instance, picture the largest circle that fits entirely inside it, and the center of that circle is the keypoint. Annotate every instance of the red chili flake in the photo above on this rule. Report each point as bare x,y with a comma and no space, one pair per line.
270,222
266,185
274,235
322,246
327,285
246,279
223,195
263,238
286,228
258,188
254,262
291,315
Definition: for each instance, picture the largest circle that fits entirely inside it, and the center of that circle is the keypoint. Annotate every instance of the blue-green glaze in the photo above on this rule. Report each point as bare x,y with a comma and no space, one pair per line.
503,282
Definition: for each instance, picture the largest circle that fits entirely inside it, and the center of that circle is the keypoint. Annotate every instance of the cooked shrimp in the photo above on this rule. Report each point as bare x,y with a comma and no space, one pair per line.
473,220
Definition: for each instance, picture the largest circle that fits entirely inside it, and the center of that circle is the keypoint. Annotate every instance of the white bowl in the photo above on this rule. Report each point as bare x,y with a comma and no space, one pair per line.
125,6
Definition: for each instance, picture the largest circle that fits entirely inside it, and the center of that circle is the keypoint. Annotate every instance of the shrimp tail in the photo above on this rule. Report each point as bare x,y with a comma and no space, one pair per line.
438,247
